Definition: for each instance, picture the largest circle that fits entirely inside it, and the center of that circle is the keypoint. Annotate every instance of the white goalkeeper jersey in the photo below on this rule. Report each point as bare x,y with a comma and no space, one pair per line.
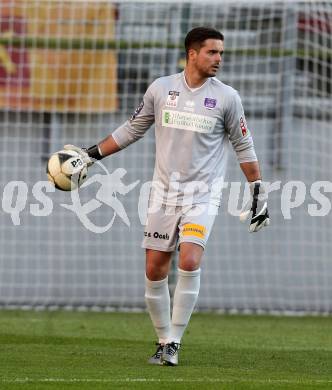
193,131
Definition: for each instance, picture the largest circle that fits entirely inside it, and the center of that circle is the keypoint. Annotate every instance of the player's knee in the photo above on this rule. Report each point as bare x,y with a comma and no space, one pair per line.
157,266
190,256
189,262
156,273
151,272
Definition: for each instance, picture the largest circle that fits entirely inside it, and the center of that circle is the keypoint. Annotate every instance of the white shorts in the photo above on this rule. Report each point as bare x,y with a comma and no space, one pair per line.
171,225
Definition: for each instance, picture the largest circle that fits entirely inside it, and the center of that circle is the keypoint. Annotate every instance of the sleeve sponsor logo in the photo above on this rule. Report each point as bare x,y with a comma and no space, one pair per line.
188,121
137,111
192,229
243,126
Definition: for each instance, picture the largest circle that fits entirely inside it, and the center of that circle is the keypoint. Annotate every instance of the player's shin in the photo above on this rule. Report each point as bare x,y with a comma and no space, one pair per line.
158,304
185,297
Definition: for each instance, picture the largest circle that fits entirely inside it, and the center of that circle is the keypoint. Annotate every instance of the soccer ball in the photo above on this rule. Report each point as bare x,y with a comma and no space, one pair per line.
66,170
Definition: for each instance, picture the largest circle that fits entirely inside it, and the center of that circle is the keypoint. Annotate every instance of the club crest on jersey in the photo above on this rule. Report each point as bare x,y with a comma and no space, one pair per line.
243,126
210,103
172,99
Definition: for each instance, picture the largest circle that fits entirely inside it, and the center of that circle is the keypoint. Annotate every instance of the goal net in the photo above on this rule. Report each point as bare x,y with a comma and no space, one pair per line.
72,71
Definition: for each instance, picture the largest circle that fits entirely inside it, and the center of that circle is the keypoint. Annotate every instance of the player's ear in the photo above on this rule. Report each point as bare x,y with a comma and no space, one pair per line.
192,54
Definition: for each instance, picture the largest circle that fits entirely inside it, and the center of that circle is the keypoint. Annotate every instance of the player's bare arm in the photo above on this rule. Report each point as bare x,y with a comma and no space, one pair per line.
251,170
108,146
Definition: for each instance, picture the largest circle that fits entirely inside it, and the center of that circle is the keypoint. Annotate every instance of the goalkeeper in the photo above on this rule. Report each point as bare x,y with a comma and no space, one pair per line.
196,117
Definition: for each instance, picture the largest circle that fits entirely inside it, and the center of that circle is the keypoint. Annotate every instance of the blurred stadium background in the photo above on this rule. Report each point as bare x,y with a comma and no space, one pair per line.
72,71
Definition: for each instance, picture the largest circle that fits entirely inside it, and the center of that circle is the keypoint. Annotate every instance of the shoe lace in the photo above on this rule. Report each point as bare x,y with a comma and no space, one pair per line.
159,351
172,348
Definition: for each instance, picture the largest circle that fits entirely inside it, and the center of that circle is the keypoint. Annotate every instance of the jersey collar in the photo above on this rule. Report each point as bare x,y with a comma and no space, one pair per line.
195,89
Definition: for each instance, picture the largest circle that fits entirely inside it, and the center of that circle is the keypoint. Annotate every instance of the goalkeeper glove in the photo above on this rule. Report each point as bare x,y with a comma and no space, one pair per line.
88,155
258,206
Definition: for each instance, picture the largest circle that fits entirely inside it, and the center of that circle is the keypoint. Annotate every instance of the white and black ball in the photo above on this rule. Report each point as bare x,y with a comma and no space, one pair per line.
66,170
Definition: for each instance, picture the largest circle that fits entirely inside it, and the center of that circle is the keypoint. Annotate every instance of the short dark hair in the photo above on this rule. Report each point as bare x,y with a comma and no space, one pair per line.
196,37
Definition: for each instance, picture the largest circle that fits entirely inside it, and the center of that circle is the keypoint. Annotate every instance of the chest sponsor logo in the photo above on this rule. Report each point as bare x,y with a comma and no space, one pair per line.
172,98
188,121
210,103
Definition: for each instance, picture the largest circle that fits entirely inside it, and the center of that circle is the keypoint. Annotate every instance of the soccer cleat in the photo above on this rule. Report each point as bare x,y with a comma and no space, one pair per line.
170,356
156,357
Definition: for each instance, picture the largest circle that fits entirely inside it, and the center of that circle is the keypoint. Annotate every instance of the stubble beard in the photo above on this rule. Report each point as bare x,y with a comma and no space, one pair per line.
207,74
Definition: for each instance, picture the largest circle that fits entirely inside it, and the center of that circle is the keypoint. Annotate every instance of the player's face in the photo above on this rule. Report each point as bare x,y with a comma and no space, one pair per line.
207,60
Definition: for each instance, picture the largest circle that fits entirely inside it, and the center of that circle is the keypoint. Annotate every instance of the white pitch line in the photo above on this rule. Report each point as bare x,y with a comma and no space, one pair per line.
178,380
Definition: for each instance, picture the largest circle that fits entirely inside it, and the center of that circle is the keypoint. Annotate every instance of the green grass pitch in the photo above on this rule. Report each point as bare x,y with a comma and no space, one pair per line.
87,350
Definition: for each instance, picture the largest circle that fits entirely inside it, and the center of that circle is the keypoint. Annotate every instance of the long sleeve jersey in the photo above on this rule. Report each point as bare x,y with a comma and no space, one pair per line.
193,131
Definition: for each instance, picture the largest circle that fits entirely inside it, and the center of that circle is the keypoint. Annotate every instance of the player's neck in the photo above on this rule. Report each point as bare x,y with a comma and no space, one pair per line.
193,78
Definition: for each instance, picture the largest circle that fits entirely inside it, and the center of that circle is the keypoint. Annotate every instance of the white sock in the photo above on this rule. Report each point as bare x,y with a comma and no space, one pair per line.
185,297
158,303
